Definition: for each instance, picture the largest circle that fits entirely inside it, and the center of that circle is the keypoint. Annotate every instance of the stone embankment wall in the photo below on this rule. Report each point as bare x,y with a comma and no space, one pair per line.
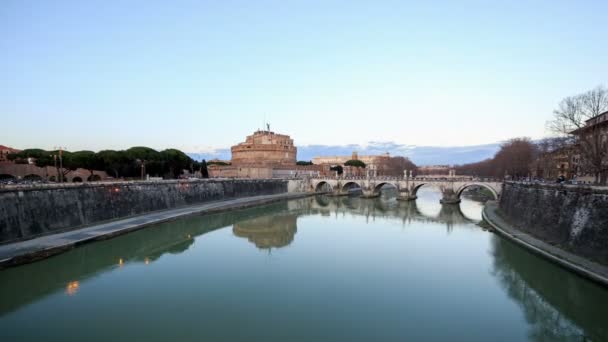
572,217
26,213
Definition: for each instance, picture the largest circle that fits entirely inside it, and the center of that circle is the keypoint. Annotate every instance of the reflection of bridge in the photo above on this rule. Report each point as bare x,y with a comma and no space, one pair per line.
406,211
451,187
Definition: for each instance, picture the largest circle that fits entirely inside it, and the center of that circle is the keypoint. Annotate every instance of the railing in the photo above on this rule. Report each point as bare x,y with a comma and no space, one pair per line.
421,179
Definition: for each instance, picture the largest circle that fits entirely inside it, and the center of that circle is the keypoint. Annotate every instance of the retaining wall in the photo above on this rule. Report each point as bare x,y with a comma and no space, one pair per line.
572,217
26,213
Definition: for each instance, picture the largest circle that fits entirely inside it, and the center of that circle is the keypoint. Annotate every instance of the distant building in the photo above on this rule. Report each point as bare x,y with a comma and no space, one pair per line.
5,151
563,162
340,160
594,137
433,170
265,148
218,161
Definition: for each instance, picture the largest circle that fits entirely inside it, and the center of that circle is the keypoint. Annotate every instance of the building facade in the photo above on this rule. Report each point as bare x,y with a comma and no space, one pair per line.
433,170
265,148
592,142
340,160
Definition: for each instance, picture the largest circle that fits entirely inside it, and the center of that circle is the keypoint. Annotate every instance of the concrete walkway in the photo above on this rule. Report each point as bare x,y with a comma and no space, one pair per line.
45,246
584,267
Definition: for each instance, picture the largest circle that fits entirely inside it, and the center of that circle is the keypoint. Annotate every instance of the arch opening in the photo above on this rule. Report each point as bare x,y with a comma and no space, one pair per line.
76,180
94,178
387,189
7,177
323,187
32,177
426,186
485,187
352,188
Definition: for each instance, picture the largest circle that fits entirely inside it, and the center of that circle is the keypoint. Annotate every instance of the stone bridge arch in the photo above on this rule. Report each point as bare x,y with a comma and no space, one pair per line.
7,176
322,186
33,177
417,187
482,185
349,185
378,187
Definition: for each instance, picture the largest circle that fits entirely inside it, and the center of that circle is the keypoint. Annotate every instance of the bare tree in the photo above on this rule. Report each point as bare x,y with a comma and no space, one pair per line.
575,115
513,159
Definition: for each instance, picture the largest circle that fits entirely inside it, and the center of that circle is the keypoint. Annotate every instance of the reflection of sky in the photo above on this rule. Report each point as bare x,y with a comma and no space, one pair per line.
396,281
471,209
428,201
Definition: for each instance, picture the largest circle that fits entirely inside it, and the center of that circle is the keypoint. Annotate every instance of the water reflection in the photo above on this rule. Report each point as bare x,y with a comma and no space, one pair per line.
28,283
334,258
407,211
268,231
558,305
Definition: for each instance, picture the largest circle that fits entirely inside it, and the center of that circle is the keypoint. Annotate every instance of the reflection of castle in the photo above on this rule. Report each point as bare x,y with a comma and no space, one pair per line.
268,231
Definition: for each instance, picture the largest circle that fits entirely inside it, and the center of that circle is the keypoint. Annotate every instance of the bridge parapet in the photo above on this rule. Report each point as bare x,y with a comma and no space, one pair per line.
451,187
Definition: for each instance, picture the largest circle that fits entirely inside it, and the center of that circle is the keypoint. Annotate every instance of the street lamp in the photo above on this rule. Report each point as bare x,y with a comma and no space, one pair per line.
60,173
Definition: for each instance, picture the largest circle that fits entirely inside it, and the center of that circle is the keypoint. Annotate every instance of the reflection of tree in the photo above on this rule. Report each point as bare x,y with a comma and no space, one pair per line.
557,304
268,231
23,284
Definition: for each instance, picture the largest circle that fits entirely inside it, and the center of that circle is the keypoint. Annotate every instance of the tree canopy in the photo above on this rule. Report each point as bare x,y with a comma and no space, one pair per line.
303,162
355,163
128,163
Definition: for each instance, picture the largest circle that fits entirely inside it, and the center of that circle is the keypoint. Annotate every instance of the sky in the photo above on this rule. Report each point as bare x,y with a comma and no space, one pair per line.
201,75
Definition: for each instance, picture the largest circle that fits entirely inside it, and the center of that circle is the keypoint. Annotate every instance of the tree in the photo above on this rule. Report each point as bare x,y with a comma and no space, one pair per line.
303,163
338,168
204,170
573,116
113,162
175,161
87,160
514,158
355,163
28,153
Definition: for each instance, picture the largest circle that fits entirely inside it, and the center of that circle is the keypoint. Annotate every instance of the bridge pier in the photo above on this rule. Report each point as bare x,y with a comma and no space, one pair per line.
337,193
449,197
406,196
370,194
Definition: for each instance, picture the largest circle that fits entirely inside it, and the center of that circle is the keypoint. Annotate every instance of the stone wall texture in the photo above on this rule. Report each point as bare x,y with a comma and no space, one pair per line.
31,212
572,217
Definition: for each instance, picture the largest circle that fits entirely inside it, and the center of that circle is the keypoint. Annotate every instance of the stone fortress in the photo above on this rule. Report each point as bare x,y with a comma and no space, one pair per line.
265,148
264,154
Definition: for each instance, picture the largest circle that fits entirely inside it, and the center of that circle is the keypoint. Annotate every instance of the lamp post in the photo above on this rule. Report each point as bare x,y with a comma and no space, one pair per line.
142,164
60,173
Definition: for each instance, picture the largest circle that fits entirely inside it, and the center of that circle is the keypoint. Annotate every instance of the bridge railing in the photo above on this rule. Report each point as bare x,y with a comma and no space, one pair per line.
419,179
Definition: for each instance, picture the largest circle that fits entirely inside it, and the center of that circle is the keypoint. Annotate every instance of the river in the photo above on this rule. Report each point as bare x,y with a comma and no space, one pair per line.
312,269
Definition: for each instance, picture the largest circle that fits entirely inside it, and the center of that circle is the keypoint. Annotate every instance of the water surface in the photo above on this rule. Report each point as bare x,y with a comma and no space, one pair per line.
319,268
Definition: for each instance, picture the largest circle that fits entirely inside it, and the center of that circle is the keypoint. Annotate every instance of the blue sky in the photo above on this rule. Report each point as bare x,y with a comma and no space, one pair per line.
200,75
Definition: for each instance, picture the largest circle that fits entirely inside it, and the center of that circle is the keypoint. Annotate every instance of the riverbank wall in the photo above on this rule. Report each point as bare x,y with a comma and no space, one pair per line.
31,212
573,218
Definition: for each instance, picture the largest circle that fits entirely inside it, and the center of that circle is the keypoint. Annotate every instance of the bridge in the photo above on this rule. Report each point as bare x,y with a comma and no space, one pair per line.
451,187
